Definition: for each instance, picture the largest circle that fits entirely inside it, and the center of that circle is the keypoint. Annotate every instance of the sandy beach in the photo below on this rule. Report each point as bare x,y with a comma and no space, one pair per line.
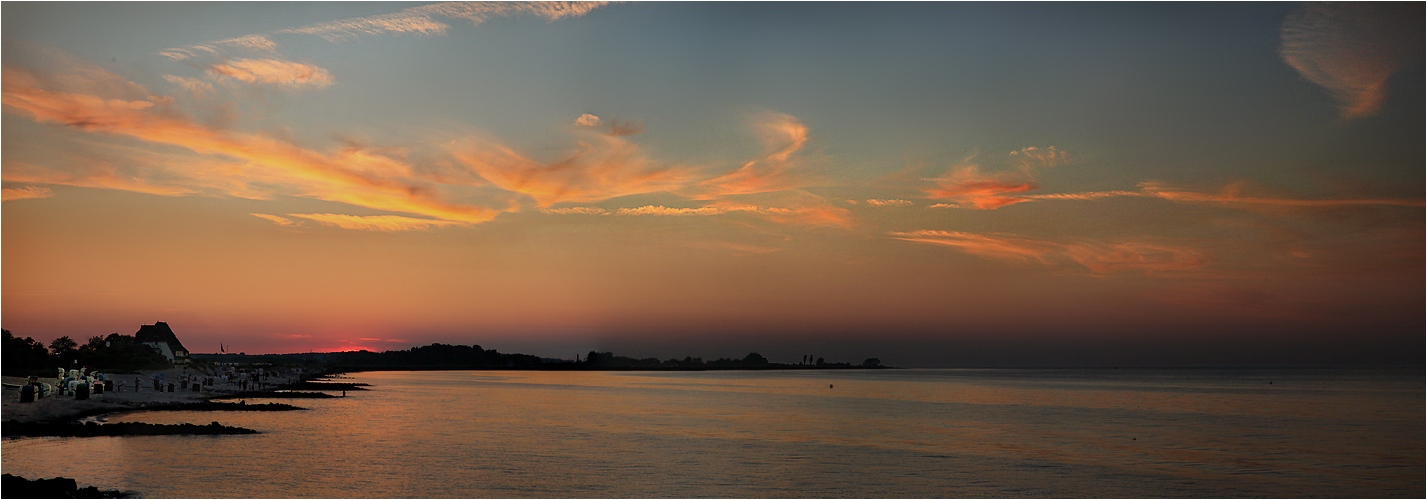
62,408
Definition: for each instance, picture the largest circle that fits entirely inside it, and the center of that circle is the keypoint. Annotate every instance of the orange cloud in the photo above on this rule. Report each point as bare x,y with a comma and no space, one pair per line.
273,72
968,187
198,88
101,175
1098,257
995,247
1351,49
792,207
389,223
281,221
25,193
1105,258
349,177
800,208
1232,194
588,120
577,211
663,210
780,168
605,166
889,203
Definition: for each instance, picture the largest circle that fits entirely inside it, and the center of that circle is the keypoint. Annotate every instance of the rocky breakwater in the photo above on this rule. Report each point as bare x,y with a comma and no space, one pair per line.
91,429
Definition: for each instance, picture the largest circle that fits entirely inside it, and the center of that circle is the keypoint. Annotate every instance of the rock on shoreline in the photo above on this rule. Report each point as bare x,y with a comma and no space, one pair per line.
60,487
91,429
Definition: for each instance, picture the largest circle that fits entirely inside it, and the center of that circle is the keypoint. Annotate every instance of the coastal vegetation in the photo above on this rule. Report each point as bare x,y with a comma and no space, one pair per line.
113,353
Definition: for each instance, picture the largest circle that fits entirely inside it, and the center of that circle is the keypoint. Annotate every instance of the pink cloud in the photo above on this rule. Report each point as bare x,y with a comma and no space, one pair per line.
1351,49
273,72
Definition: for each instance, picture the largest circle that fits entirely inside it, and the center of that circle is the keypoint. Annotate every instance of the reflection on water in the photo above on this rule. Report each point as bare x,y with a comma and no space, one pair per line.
893,433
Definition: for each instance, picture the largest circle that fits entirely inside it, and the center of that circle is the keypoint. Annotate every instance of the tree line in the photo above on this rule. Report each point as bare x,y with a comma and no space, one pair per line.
113,353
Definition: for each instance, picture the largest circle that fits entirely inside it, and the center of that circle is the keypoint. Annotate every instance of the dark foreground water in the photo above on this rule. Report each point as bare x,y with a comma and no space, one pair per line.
892,433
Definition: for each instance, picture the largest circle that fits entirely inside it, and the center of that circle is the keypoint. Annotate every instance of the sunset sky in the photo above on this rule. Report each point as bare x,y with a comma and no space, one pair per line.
933,184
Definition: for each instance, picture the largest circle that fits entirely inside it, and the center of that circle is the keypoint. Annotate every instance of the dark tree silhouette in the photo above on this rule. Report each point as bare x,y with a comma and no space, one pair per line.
25,356
63,345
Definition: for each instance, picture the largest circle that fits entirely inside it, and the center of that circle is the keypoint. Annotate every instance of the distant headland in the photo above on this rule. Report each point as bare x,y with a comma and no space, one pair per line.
156,347
473,357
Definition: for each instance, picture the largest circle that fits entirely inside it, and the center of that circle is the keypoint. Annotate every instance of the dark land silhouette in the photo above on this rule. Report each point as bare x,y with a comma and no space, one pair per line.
91,429
59,487
473,357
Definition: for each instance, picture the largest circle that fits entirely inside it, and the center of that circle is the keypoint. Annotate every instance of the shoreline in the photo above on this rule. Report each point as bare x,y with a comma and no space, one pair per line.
64,409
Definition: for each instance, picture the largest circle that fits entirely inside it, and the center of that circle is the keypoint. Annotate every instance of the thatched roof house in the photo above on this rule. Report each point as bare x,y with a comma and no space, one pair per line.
160,337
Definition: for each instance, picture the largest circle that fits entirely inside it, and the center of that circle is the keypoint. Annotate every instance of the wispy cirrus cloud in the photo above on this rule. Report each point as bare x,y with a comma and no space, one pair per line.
663,210
349,177
271,72
222,160
796,208
1232,195
995,247
194,86
603,166
281,221
610,127
221,48
889,203
780,169
577,211
100,175
1351,49
25,193
388,223
1098,257
422,20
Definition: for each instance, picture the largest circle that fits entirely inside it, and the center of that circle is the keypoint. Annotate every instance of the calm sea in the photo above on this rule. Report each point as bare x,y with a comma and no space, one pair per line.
891,433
